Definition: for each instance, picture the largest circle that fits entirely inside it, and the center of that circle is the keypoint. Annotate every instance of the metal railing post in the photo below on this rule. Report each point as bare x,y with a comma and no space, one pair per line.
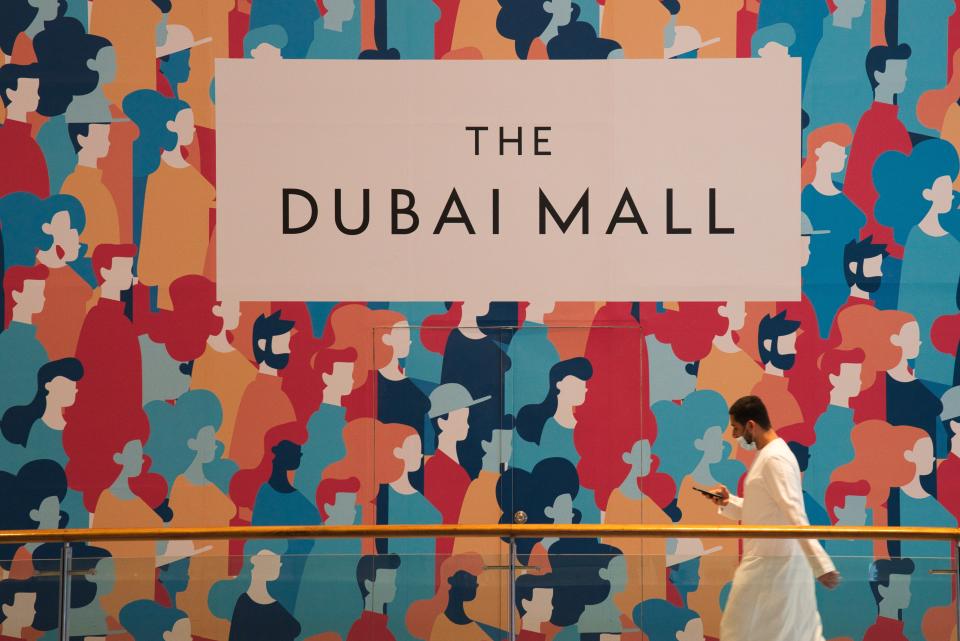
63,619
956,594
511,588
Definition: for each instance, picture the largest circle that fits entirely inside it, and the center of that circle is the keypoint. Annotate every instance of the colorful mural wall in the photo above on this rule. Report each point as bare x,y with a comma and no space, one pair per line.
131,396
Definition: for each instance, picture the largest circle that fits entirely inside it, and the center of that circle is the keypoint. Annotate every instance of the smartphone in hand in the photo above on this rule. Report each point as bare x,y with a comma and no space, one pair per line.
708,493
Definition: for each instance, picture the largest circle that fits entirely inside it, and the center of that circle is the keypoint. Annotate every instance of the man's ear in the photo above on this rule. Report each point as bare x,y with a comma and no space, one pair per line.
883,590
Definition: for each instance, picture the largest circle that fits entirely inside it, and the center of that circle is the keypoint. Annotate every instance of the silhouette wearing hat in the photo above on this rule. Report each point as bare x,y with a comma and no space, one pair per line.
173,55
445,481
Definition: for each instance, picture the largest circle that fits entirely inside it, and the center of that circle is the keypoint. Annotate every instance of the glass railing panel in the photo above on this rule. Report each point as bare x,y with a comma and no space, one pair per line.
30,591
410,589
769,589
342,589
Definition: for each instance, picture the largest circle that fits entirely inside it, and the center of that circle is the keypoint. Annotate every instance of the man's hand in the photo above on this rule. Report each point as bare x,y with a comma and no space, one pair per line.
723,492
830,580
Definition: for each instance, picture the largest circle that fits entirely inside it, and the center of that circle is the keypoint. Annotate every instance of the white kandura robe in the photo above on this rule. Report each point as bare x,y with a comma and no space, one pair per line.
773,597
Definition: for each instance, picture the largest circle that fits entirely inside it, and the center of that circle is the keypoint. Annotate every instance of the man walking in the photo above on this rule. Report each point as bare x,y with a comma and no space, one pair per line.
773,596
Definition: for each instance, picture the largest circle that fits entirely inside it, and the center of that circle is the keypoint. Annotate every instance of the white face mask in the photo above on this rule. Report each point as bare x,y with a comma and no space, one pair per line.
744,445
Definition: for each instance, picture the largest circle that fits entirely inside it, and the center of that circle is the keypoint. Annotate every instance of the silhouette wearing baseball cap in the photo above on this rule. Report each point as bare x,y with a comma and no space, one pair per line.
445,481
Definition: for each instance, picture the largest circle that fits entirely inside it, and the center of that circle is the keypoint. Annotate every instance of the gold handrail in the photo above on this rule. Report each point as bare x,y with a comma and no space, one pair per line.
499,530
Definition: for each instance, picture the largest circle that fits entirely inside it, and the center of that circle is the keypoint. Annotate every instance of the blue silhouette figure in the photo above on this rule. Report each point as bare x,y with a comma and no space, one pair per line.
806,19
63,49
279,503
836,90
587,575
151,112
916,192
816,513
410,26
27,436
297,18
923,25
541,434
663,621
336,35
150,621
578,40
694,427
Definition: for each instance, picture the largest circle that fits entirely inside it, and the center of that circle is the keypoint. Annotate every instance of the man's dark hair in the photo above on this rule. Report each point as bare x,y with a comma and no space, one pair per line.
750,408
772,328
881,570
857,251
878,57
526,584
77,129
266,328
368,566
10,76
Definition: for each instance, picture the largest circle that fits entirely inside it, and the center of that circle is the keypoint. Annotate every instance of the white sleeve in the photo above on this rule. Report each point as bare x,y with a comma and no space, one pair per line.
732,510
783,483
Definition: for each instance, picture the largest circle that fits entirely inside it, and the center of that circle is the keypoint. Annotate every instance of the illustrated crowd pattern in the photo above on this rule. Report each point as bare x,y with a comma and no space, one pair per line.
130,396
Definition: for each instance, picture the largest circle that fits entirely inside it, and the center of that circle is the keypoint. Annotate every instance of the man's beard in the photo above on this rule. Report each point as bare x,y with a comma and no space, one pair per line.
126,297
276,361
782,362
868,284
